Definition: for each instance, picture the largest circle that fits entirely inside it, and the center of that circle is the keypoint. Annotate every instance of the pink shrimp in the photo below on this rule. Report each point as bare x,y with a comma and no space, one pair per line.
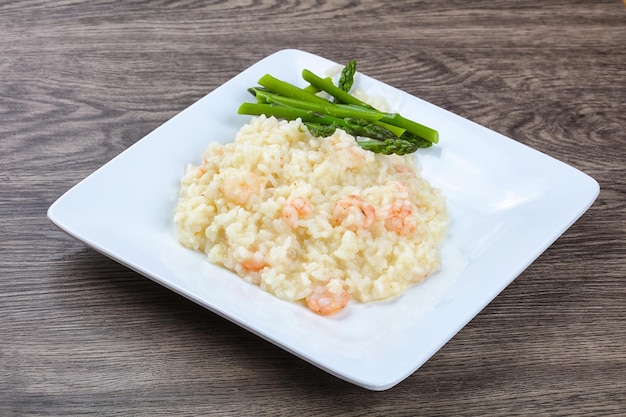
405,170
294,210
325,303
354,212
399,217
352,156
240,186
250,267
253,264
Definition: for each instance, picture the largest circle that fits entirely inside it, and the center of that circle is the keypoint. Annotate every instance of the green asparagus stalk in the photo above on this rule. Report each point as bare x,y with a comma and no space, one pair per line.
352,125
327,86
288,113
313,89
288,90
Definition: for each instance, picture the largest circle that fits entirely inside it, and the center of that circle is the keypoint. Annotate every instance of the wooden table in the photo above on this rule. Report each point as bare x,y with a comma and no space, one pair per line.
81,82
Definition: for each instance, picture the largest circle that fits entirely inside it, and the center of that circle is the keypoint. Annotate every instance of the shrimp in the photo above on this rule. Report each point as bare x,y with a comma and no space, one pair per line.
253,264
294,210
400,217
354,212
325,303
250,267
405,170
240,186
352,156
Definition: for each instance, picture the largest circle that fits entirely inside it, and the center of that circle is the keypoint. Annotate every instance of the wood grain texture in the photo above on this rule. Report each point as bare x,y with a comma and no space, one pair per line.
82,81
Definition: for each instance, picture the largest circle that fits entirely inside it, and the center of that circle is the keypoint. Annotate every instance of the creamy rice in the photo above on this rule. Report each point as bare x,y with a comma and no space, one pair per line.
312,219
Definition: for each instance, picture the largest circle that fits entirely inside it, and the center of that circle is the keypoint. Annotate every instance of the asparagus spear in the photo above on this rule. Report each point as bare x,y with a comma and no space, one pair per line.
289,90
352,125
347,76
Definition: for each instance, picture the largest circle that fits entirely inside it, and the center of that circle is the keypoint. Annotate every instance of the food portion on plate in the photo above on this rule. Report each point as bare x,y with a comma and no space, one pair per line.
310,206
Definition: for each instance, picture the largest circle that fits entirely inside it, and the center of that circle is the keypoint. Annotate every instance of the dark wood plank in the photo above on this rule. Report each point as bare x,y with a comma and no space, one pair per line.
81,82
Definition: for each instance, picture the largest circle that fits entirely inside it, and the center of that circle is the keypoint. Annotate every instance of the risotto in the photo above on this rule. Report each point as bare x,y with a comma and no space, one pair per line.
313,220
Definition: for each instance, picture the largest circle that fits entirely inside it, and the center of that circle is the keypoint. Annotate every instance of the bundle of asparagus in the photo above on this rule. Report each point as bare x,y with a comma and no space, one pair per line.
376,131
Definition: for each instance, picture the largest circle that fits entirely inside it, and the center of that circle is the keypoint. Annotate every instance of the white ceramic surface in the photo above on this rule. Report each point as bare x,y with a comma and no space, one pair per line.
507,203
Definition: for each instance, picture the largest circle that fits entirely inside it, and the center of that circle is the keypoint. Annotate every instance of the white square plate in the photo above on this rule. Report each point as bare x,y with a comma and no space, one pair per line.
507,203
